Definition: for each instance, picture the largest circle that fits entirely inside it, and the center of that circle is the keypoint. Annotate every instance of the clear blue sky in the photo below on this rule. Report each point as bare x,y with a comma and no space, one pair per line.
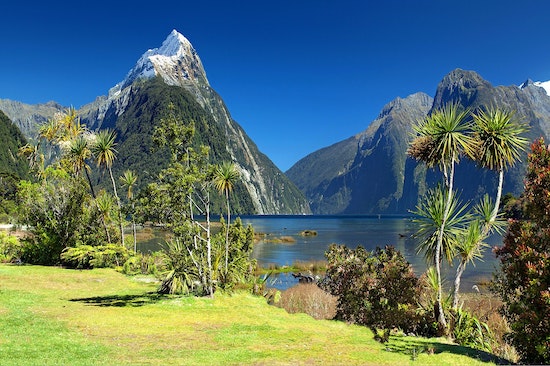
298,75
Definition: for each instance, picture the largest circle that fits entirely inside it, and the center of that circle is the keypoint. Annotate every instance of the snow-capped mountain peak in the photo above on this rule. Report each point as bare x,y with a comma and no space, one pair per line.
174,45
176,61
541,84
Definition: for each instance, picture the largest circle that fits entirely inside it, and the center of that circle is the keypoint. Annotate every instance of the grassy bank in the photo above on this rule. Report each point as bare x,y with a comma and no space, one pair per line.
52,316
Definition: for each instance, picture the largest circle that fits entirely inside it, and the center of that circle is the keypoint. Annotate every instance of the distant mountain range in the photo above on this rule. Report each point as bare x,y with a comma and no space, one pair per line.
173,73
370,173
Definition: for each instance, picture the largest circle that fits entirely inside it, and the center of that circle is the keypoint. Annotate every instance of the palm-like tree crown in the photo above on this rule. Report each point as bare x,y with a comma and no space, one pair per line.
129,179
104,148
497,140
78,153
441,137
225,177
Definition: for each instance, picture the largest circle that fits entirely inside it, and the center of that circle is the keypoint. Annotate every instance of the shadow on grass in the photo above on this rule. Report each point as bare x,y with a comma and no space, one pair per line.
413,348
123,300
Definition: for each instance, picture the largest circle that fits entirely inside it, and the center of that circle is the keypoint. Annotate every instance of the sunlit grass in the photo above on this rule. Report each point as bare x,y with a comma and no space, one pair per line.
56,316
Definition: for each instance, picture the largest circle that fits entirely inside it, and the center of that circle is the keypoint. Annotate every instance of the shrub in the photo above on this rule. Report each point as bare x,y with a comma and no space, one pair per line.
377,289
101,256
10,248
141,263
309,299
524,278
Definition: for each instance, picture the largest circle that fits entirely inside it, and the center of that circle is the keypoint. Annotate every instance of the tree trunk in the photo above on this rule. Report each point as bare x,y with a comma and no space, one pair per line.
499,194
227,232
439,302
459,270
119,207
94,196
209,248
134,232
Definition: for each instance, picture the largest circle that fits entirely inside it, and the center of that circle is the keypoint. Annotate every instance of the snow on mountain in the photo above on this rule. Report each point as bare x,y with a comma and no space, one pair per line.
176,61
543,84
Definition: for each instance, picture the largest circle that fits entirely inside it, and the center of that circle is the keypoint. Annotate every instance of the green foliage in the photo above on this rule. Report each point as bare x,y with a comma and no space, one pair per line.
241,266
497,141
187,271
10,248
101,256
59,214
469,331
12,140
523,281
377,289
151,104
146,264
187,261
442,137
180,201
12,167
431,217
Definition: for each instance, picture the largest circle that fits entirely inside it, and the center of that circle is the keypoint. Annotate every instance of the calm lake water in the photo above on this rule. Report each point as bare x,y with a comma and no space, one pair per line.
368,231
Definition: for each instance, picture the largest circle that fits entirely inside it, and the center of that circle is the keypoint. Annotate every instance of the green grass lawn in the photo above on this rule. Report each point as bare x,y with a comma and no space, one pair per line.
53,316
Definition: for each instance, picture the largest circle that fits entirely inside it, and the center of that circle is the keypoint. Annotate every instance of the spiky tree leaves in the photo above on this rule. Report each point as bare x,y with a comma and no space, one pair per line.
497,143
430,217
225,176
445,134
492,140
441,138
129,180
105,154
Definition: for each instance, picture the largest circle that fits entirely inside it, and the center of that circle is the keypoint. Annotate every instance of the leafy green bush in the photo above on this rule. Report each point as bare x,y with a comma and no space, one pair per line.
101,256
377,289
10,248
144,263
60,214
523,281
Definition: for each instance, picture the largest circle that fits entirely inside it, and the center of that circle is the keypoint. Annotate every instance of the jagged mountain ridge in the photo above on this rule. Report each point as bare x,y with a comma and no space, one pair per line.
361,182
178,65
369,167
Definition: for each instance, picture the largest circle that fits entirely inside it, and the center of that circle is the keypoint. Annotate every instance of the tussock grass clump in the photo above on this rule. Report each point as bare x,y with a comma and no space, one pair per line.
313,267
319,266
268,238
285,239
485,307
309,299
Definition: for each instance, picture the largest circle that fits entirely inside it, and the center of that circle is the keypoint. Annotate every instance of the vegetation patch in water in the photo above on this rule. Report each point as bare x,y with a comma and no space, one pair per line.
308,233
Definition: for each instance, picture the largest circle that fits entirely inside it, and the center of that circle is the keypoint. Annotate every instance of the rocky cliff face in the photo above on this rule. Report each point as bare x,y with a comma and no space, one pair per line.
29,117
365,173
372,173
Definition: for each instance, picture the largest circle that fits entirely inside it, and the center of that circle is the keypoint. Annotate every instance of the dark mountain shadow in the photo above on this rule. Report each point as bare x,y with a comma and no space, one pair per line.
413,348
123,300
